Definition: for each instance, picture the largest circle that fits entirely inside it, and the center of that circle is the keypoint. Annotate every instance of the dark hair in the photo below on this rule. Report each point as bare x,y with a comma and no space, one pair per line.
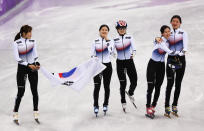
163,28
104,26
176,16
24,29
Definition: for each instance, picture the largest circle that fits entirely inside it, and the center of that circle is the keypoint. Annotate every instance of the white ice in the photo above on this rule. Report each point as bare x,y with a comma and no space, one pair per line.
64,35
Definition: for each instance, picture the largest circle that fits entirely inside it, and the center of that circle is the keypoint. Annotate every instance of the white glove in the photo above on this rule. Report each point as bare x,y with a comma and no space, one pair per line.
176,52
180,53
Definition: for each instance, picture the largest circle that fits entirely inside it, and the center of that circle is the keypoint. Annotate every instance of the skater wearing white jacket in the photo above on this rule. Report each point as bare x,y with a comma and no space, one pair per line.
178,41
102,48
125,47
25,53
156,69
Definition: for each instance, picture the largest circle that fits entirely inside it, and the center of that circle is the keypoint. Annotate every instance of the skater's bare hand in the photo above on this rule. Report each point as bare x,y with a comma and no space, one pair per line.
33,67
158,40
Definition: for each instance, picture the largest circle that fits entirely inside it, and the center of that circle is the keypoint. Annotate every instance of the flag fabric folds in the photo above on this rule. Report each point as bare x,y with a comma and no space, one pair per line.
78,77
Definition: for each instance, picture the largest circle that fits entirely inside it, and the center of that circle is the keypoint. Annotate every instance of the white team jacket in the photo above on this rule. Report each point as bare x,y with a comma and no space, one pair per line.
25,51
125,47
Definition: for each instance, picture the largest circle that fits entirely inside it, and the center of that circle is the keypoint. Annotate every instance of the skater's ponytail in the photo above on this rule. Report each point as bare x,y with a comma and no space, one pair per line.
24,29
18,36
163,28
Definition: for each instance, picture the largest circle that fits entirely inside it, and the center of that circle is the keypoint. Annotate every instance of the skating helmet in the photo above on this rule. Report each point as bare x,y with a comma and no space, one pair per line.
120,24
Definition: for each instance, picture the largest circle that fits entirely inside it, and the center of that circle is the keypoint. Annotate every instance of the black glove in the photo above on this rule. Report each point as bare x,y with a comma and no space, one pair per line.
37,63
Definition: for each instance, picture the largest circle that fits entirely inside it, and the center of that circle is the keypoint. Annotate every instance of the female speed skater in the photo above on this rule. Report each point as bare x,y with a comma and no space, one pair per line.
25,53
102,48
125,47
178,41
156,69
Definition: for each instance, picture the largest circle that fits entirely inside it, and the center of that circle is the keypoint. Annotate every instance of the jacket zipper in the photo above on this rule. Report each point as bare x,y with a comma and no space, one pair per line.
26,50
102,50
174,39
123,47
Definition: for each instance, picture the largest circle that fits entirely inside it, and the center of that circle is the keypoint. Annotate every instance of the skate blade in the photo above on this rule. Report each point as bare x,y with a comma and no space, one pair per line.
124,110
134,105
167,115
175,114
37,121
131,101
150,116
16,122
